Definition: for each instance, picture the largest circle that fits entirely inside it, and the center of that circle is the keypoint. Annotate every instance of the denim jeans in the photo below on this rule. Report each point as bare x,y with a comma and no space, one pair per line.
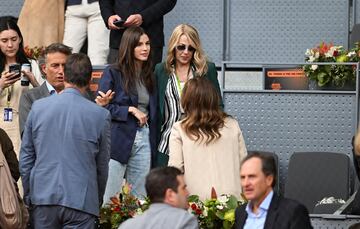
135,171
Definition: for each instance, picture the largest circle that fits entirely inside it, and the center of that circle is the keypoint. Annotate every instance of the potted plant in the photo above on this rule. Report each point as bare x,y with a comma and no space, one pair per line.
334,76
120,208
216,212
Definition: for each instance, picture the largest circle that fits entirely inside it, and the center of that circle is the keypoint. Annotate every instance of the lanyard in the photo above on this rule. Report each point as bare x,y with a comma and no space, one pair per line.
9,92
178,84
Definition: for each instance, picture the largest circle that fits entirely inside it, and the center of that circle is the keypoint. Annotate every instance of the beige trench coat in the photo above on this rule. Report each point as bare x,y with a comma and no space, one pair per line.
42,22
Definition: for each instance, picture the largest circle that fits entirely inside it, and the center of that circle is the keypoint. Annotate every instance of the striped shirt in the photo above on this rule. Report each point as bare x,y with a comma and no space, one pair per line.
173,111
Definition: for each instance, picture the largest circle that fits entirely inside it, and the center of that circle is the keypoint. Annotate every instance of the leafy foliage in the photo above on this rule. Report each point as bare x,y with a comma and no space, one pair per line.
331,75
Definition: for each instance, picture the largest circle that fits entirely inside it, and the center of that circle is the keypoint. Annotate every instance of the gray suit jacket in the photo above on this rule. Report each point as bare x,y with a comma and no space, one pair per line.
26,101
29,97
162,216
65,152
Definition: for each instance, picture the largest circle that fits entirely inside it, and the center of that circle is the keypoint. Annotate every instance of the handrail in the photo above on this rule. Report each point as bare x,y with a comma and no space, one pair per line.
269,65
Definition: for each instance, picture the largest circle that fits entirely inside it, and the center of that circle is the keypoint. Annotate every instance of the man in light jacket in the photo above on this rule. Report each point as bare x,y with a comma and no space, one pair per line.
65,153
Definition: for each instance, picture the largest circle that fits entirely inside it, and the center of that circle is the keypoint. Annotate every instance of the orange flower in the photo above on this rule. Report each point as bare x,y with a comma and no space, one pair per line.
324,48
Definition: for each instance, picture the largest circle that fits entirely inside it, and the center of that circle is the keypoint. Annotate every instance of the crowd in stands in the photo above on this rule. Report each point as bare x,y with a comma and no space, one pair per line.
75,153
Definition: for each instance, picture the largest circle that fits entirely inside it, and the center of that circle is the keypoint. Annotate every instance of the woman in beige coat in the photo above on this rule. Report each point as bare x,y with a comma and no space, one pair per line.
207,145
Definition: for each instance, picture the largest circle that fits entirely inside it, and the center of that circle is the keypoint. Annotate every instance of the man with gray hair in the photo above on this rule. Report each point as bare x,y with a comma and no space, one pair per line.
265,208
65,153
55,56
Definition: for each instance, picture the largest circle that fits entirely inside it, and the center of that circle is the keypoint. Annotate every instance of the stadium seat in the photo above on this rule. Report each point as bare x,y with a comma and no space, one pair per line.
313,176
354,35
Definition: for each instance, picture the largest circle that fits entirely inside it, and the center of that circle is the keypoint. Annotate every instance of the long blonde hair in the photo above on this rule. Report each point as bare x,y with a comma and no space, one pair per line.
198,60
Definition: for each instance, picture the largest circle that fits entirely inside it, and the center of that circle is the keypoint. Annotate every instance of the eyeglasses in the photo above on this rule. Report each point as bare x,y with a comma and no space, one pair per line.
183,47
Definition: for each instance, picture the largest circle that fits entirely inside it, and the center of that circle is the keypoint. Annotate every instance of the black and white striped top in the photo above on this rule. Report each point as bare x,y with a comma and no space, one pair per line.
173,111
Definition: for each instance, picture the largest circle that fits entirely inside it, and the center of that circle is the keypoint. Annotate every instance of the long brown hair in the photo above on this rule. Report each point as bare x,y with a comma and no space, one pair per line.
127,62
203,115
6,23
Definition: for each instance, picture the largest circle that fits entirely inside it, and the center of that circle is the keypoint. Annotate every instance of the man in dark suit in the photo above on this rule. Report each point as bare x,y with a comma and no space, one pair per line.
55,57
145,13
265,208
65,153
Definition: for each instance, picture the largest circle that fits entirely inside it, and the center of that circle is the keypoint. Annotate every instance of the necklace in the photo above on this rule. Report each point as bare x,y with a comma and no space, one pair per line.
181,79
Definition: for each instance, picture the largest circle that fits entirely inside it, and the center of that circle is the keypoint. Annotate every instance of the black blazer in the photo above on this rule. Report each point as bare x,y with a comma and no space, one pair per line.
283,214
152,12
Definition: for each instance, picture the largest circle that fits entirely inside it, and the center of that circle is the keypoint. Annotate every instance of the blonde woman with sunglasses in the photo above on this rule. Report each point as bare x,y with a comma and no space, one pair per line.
185,60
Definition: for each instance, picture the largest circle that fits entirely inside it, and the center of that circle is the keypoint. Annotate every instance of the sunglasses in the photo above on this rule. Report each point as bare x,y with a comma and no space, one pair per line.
183,47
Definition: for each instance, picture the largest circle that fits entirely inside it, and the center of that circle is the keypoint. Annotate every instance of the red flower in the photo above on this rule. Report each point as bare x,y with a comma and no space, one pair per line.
117,209
193,207
198,211
335,53
324,48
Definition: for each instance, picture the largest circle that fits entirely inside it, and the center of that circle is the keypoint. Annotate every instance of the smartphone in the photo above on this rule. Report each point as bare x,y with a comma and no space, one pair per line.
119,23
15,68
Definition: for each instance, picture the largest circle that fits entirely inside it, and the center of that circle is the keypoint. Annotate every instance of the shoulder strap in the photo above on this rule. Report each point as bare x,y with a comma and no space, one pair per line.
10,211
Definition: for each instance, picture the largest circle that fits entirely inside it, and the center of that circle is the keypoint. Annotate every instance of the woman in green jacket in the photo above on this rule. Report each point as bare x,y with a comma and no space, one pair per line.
185,60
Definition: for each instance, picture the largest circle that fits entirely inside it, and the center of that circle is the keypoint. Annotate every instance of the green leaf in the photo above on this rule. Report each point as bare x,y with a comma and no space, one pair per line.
323,79
220,215
193,198
230,215
227,225
327,68
232,202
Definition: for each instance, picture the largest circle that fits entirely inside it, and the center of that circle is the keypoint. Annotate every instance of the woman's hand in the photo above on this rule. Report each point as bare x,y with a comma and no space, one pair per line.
7,79
104,99
139,115
31,77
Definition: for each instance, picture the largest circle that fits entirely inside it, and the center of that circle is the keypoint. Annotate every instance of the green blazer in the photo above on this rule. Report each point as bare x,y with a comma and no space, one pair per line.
162,78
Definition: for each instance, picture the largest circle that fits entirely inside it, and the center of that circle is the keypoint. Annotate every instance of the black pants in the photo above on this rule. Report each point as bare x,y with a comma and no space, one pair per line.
156,55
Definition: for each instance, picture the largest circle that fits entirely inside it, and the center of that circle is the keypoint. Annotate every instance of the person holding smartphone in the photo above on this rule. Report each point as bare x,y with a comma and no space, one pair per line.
12,56
147,14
